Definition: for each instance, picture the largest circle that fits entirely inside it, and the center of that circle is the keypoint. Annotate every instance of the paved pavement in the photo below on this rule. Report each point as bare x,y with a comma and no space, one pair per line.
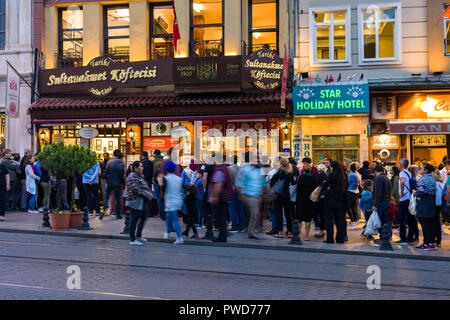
34,267
154,229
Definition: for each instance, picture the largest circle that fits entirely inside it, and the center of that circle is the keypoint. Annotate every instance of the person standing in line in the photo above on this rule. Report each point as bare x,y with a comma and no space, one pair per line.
31,183
172,189
381,197
104,175
445,172
5,186
334,191
354,181
23,179
116,178
191,208
91,186
365,171
237,213
273,215
305,207
439,192
319,207
136,183
327,162
46,188
395,192
366,203
157,170
17,187
406,185
198,182
426,206
12,171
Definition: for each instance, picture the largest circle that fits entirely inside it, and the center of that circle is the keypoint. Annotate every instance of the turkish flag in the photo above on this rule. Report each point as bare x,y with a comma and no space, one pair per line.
446,14
176,32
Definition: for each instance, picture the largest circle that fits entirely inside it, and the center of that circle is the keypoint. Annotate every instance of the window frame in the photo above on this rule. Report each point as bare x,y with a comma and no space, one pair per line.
61,31
106,28
446,21
250,26
5,34
313,39
398,57
192,27
151,16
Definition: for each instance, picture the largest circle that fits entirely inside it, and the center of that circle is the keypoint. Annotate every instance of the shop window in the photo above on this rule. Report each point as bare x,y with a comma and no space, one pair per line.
263,17
206,28
2,24
70,37
446,36
161,32
330,34
117,33
380,29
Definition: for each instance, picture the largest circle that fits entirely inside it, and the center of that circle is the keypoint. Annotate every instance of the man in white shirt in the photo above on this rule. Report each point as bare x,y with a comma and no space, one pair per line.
444,172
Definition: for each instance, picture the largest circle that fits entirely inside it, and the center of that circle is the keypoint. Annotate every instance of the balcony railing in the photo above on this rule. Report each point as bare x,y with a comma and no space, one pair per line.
119,55
162,51
68,59
247,49
208,48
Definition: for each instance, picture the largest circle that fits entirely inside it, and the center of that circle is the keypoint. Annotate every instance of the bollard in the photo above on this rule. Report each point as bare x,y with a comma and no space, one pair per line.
126,228
85,225
209,234
296,232
387,233
46,219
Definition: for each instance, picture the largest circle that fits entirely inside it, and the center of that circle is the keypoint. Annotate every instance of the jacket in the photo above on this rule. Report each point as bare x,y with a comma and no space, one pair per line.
30,184
426,197
92,175
382,190
395,191
103,170
116,172
366,200
288,180
158,159
227,190
135,183
334,195
365,173
12,167
148,170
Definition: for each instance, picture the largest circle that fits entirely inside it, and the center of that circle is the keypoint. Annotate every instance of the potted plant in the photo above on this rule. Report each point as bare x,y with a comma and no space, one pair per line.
62,161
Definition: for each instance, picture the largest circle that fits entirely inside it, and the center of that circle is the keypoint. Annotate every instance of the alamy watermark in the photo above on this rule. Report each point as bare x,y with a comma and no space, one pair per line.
374,280
74,280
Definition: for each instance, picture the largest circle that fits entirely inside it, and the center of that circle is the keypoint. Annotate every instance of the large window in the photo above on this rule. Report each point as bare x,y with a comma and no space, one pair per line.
263,20
447,35
161,32
70,37
117,33
2,24
206,28
331,35
380,29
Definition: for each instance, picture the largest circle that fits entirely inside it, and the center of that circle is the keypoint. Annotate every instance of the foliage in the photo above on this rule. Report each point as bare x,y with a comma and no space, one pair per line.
62,161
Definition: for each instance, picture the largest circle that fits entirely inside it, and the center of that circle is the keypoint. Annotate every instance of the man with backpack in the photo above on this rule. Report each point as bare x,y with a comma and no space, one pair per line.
407,183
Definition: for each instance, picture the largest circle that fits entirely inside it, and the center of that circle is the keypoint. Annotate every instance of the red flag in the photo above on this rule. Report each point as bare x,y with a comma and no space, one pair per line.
446,14
309,79
285,72
176,31
330,79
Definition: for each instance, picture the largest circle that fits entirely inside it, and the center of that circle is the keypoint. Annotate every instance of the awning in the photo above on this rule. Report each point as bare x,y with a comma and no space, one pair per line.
419,127
64,121
170,106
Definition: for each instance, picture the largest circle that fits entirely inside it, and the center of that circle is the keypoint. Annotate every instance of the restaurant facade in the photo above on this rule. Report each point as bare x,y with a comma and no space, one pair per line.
220,90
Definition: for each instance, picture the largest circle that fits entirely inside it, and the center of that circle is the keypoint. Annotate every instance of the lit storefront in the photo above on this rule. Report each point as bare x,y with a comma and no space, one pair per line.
424,121
331,122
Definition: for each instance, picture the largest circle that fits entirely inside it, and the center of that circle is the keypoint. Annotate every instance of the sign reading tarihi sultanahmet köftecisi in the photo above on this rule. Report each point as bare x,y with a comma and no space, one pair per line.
331,99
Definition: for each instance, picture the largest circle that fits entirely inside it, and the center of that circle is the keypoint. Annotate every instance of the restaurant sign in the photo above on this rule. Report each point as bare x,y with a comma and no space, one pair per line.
433,127
102,76
331,99
264,69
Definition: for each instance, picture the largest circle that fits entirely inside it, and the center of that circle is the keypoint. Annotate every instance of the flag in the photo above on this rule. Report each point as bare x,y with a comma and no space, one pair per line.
330,79
309,79
446,14
351,76
12,92
318,78
284,81
176,32
362,76
339,78
326,80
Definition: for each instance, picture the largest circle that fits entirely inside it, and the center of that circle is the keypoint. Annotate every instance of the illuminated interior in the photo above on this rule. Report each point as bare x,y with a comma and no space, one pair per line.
379,25
162,32
118,26
264,24
330,33
207,40
72,32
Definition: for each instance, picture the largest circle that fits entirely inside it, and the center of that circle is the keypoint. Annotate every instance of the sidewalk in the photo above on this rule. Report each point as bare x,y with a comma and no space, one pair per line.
110,228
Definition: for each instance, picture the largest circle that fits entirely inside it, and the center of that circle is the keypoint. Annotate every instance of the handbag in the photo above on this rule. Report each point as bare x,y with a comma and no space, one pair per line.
148,195
315,195
293,193
412,205
137,204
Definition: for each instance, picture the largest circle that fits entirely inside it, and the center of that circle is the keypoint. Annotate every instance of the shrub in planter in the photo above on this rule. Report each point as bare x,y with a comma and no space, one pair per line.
60,220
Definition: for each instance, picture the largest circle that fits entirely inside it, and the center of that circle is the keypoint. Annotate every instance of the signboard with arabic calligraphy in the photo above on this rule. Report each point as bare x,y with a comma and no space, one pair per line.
207,70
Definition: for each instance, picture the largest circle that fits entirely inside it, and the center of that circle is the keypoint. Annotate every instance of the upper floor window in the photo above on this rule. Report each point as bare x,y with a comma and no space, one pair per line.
161,32
117,32
263,22
380,29
447,36
70,37
206,28
331,35
2,24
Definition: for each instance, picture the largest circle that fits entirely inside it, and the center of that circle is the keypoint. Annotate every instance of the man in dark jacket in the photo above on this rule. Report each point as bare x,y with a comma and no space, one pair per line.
365,171
148,168
381,196
116,178
23,179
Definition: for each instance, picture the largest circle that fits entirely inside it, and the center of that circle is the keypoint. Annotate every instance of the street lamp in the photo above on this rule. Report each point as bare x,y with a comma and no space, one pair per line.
42,136
131,134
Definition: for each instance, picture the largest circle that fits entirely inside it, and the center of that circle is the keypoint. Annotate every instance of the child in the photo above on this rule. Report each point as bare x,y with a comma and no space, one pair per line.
392,212
190,201
366,202
198,182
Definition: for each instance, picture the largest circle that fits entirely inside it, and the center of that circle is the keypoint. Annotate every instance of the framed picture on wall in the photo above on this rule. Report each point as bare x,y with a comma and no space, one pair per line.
110,146
98,145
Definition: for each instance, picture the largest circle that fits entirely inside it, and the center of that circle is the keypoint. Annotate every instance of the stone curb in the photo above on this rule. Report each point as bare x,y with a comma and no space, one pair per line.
237,245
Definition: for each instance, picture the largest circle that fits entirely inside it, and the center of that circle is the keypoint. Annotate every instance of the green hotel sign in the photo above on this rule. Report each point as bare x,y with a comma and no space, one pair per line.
331,99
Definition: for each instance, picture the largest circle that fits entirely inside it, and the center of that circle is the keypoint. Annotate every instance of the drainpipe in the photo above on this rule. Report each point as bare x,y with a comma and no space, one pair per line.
288,28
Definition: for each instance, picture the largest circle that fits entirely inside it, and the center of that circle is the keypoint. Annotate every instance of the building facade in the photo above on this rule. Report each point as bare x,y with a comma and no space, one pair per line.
112,66
399,52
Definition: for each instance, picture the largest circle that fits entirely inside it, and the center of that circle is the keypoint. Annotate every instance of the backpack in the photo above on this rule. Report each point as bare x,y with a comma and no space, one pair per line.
412,182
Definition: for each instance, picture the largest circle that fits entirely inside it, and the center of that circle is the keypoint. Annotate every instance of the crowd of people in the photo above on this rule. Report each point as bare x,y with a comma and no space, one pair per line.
238,198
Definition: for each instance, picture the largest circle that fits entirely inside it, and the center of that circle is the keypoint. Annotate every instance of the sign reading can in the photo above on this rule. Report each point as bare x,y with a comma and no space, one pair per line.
264,69
102,76
332,99
419,127
88,133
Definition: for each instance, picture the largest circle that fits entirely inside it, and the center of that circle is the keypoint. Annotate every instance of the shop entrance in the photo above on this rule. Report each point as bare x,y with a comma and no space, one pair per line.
339,148
428,148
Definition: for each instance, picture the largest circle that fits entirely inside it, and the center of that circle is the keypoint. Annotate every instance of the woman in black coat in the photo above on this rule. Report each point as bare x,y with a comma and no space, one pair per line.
319,207
334,189
305,207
